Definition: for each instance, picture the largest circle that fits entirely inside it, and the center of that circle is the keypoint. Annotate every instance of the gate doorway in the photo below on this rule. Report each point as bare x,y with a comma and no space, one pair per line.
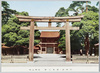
49,50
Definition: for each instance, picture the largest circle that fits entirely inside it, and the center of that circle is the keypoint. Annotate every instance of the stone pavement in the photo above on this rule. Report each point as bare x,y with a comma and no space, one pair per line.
49,58
49,62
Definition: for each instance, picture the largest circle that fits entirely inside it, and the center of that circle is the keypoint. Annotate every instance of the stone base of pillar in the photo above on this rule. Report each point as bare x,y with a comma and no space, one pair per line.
53,52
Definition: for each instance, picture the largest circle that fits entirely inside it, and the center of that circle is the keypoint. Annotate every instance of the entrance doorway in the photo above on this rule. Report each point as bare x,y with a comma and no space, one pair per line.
49,50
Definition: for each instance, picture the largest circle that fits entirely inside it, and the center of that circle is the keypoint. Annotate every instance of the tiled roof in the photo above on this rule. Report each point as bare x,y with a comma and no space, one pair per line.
5,47
36,47
49,34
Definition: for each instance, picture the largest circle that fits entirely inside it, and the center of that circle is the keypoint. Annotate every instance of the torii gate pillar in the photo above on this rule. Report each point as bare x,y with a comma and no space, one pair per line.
67,37
31,40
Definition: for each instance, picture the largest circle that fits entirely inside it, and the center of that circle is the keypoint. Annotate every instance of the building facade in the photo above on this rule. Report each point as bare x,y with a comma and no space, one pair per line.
48,42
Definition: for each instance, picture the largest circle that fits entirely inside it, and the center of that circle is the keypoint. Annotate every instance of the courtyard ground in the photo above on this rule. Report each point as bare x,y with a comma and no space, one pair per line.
49,63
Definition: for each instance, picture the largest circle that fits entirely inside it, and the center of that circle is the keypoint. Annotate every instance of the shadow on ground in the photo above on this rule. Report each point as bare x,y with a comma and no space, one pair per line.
62,56
65,57
35,57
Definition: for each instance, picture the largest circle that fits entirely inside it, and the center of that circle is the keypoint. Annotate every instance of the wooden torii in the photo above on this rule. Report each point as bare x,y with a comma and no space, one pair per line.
66,27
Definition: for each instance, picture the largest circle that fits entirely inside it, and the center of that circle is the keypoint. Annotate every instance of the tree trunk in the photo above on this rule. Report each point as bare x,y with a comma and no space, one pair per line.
86,6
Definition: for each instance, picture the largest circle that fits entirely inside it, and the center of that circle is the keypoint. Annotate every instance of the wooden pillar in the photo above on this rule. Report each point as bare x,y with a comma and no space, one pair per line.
49,24
54,50
45,50
31,41
41,50
67,36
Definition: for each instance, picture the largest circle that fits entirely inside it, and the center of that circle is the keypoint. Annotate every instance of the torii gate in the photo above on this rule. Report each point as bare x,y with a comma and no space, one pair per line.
66,27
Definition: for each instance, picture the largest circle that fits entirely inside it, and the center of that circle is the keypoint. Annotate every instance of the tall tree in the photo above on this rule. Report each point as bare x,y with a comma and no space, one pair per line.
97,3
92,8
11,33
88,25
62,12
6,12
77,6
89,21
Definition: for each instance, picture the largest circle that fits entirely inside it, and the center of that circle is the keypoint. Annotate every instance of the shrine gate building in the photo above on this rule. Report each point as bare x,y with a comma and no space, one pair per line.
48,42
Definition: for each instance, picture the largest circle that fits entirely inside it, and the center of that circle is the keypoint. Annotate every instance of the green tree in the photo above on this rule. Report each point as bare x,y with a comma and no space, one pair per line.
6,12
77,6
97,3
89,24
62,12
92,8
11,33
62,40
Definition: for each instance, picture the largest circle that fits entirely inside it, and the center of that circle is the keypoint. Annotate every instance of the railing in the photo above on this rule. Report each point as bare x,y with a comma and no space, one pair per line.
85,59
14,59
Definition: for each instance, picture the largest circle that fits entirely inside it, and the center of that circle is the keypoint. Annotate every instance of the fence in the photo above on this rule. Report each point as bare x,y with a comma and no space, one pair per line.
24,59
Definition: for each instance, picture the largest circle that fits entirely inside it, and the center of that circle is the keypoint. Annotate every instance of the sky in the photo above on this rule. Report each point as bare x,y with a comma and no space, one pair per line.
42,8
